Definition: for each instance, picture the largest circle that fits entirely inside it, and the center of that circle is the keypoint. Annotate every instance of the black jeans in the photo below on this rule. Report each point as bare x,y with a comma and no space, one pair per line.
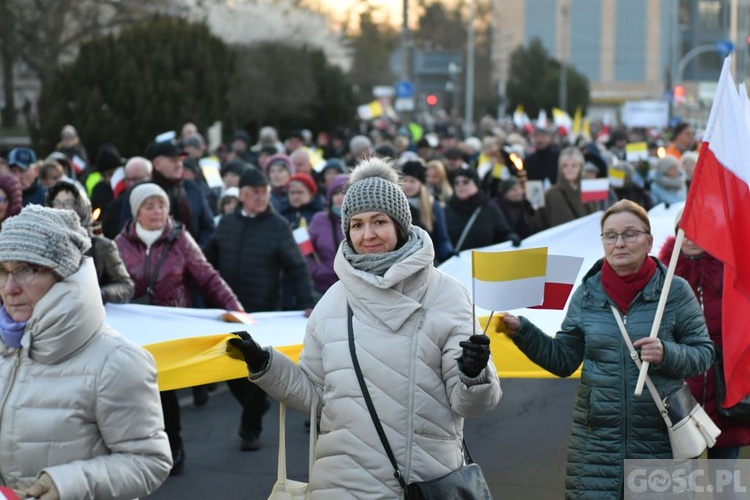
171,409
254,404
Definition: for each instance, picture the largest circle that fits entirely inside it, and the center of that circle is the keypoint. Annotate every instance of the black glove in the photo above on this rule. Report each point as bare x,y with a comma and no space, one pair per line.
246,349
476,355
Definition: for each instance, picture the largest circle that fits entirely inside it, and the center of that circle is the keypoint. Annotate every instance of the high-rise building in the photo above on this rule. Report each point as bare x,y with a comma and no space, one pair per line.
628,49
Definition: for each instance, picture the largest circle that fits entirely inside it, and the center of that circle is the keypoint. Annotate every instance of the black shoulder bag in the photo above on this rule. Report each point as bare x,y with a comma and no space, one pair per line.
466,483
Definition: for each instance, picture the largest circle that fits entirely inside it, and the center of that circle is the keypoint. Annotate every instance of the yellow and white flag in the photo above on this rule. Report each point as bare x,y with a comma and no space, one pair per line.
509,280
370,110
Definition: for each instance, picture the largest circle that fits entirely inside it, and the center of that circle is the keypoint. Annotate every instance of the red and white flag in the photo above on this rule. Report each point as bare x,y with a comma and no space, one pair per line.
594,189
717,218
7,493
302,237
562,272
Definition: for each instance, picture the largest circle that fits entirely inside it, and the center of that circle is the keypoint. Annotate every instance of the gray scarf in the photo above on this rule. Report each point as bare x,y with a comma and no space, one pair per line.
379,263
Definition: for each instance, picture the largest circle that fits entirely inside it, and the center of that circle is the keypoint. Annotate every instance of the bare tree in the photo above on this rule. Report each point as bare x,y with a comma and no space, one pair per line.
43,33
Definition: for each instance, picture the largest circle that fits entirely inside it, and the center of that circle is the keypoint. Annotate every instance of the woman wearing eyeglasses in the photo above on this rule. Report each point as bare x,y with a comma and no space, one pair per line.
472,220
610,424
79,413
114,281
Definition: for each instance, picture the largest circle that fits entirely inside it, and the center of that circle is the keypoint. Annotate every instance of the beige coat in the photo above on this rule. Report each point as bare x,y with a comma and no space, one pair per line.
80,402
407,326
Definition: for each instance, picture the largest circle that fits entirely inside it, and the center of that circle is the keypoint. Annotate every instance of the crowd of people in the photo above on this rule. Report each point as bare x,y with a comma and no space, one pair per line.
380,209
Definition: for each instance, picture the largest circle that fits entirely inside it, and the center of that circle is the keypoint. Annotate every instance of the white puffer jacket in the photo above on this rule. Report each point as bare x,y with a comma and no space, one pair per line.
407,326
80,402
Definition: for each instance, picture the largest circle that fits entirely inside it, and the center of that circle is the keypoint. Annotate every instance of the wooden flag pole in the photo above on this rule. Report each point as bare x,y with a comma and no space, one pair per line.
662,303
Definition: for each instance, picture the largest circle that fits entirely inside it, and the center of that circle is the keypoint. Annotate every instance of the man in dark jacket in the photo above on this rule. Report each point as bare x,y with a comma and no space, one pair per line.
186,201
251,248
541,165
22,164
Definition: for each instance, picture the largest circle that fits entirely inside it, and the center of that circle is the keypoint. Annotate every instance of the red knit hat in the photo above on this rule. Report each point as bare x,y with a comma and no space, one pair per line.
306,180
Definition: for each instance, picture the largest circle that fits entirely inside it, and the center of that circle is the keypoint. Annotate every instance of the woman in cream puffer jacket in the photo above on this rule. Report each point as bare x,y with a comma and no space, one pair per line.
408,321
80,402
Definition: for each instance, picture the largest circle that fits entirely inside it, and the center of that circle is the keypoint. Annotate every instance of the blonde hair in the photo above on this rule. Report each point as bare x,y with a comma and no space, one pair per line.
426,215
445,186
570,153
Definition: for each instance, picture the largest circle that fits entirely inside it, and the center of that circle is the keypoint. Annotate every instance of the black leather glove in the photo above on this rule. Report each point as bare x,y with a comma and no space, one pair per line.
246,349
476,355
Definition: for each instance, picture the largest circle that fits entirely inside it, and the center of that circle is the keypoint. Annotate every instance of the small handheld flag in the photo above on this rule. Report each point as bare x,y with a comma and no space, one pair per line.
509,280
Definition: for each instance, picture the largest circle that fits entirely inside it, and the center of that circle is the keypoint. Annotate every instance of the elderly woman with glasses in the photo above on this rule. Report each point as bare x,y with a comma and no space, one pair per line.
79,415
610,424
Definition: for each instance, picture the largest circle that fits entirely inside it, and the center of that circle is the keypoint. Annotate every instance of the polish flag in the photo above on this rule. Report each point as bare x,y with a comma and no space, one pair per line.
7,493
78,164
562,272
717,218
594,189
302,237
118,181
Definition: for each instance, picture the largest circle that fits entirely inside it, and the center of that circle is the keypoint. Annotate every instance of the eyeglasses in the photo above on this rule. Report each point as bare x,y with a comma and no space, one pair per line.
4,199
22,275
69,204
628,236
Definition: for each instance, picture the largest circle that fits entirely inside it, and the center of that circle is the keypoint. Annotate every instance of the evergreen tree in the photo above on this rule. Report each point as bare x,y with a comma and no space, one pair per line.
534,82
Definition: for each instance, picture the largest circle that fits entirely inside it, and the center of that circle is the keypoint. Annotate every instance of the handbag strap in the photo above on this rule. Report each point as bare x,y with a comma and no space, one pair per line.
634,356
281,468
467,228
368,402
152,279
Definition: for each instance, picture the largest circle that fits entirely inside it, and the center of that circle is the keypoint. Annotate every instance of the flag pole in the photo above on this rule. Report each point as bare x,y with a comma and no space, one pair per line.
489,320
662,304
473,299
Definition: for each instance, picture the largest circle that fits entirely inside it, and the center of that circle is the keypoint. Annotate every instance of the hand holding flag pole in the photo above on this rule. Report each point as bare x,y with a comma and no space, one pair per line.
662,304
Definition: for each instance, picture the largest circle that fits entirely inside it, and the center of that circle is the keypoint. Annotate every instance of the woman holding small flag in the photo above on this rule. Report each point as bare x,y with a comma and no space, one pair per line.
610,424
409,326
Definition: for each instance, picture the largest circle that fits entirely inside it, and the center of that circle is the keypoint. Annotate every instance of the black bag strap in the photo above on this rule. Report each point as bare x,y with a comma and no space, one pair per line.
370,406
162,258
467,228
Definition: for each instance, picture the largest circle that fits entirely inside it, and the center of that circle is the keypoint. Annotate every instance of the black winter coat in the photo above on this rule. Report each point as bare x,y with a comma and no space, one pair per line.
490,226
251,253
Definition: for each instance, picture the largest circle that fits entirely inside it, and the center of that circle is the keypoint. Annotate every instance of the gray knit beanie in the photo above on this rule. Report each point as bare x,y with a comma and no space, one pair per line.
374,187
142,192
46,237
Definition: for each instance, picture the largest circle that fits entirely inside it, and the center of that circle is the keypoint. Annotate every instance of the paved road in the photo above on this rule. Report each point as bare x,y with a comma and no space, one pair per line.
520,446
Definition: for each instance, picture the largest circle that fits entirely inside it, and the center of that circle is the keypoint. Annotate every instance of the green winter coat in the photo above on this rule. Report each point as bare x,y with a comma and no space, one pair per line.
611,424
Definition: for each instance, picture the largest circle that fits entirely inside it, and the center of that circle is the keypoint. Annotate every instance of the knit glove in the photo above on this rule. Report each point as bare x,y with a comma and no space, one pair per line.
475,356
43,489
249,351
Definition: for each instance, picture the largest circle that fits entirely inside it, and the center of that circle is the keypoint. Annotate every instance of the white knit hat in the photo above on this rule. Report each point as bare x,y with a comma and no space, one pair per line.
142,192
45,237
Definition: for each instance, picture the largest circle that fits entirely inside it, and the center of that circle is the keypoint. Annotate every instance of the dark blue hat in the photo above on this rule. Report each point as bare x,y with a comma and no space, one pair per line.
21,157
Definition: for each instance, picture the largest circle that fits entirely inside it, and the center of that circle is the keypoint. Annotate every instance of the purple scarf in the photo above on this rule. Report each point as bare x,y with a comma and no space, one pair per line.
11,331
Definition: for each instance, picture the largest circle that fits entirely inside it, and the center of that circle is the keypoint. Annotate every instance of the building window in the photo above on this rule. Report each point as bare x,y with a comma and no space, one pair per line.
709,14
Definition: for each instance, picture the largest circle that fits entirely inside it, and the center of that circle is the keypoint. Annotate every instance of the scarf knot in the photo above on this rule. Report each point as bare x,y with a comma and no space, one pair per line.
623,289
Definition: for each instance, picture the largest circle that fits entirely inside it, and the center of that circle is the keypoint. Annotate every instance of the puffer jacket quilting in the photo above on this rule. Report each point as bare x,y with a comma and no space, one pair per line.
80,402
407,326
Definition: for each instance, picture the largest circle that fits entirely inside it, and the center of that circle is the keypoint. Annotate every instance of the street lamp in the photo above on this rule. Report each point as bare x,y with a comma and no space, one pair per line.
453,86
